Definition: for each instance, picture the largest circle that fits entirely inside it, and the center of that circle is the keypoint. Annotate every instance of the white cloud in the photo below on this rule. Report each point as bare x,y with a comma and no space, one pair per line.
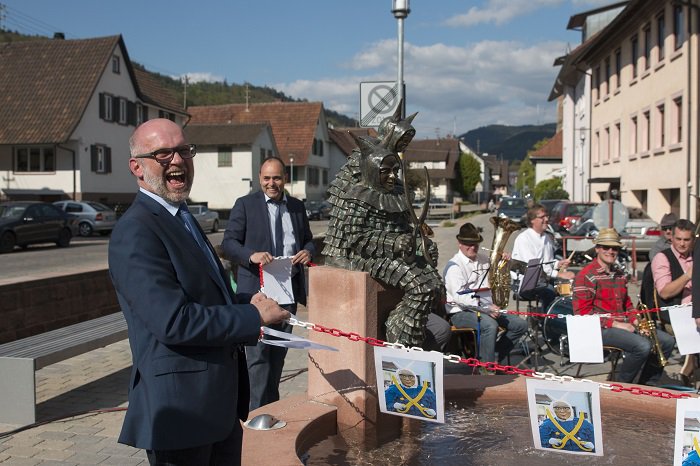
474,85
498,12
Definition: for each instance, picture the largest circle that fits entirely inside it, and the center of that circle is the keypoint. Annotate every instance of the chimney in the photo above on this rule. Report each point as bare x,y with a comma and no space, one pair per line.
59,36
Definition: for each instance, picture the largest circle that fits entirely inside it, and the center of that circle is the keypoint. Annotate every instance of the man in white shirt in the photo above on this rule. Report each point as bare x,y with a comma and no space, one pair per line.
535,243
469,302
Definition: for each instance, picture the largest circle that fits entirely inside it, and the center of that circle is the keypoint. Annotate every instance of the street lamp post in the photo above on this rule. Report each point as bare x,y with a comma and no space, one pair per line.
291,174
400,9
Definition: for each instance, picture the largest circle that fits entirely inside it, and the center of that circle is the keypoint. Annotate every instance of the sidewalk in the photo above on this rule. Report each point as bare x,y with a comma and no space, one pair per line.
99,380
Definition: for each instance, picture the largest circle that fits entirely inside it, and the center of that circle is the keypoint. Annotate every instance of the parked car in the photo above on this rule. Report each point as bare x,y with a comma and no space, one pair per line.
318,210
92,216
549,204
25,222
640,231
514,208
207,219
566,214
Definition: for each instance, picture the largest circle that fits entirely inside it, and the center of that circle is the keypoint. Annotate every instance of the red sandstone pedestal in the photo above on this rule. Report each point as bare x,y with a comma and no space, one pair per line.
351,302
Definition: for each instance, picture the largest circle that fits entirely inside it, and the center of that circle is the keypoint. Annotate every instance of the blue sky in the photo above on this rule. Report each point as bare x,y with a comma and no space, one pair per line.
467,63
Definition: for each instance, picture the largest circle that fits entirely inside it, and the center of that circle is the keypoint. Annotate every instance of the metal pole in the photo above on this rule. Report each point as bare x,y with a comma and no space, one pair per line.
399,78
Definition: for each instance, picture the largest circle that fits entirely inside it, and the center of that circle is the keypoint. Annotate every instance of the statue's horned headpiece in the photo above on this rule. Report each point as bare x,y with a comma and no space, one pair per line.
372,153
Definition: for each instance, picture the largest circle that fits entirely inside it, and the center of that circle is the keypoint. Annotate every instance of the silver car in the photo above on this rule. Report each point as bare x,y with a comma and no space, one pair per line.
92,216
207,219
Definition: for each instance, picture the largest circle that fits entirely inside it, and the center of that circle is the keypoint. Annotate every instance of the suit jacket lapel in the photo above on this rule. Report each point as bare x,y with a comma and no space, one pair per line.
265,218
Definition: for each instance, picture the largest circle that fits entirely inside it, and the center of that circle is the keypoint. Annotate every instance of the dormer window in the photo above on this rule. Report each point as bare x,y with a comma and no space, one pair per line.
115,64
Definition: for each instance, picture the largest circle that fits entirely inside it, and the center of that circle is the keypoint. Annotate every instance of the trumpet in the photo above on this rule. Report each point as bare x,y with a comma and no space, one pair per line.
647,328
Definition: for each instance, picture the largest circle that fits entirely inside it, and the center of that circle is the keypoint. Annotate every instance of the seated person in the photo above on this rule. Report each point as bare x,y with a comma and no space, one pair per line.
535,243
668,221
556,435
601,288
407,397
468,270
672,271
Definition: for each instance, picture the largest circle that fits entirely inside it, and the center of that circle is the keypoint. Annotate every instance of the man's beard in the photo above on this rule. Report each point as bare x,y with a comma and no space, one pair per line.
159,187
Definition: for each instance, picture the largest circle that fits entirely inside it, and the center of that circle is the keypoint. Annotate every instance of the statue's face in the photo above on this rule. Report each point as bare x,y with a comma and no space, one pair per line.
388,172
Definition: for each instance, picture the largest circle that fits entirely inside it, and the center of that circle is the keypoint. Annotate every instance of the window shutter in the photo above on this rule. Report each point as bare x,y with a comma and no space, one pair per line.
145,113
108,160
115,108
93,158
131,113
102,105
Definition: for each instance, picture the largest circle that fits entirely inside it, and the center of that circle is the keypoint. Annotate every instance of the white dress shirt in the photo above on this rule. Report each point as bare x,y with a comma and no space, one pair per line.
531,245
463,273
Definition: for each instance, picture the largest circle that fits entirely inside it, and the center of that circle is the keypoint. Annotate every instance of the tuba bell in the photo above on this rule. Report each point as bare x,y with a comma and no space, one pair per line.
499,273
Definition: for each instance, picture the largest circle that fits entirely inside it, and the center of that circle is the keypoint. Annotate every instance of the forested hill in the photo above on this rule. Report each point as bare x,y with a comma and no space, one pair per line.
509,142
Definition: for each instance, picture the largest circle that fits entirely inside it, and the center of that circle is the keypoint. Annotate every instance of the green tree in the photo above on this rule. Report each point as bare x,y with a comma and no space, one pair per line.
526,175
550,189
415,179
469,174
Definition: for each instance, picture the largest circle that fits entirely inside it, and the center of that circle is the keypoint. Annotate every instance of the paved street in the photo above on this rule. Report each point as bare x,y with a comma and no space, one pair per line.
98,381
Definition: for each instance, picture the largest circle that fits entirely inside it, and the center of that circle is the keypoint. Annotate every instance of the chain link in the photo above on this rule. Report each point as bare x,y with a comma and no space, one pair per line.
493,366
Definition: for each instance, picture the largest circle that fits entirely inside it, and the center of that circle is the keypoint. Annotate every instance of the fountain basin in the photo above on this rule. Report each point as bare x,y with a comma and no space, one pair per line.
309,422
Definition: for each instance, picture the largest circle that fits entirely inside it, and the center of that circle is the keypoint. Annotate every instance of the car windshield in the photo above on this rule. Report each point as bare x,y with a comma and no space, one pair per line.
512,202
578,209
9,211
98,207
635,213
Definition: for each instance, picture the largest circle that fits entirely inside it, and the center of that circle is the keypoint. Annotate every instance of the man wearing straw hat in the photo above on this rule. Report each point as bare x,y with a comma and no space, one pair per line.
601,288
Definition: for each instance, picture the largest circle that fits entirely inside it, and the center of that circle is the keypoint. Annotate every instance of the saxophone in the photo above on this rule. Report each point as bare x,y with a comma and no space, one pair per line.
647,328
499,274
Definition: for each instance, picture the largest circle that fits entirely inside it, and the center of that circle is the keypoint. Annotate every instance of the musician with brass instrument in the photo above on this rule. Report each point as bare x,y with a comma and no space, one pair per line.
536,243
601,288
470,302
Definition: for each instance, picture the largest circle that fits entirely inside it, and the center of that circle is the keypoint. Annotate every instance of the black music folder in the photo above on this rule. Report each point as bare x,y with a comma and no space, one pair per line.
531,279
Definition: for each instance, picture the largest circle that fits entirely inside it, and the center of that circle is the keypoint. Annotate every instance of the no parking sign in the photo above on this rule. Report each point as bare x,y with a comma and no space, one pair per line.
378,100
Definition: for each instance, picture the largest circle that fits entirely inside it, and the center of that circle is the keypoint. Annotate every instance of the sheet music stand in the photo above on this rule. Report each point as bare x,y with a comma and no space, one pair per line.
530,282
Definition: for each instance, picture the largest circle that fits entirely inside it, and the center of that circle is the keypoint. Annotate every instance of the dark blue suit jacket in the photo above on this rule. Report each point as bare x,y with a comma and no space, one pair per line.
248,231
189,382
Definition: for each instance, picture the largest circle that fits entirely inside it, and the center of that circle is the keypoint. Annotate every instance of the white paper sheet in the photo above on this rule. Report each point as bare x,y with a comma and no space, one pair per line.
684,328
293,341
585,338
277,280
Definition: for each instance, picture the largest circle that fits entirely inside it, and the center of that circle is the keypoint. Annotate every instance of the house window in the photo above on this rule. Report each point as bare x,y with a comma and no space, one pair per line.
325,177
35,159
115,64
646,131
262,156
677,120
634,50
122,111
634,129
320,147
596,147
225,158
168,115
100,158
607,75
605,145
660,35
647,46
313,176
618,67
660,125
317,147
106,110
596,85
269,153
139,114
678,27
616,146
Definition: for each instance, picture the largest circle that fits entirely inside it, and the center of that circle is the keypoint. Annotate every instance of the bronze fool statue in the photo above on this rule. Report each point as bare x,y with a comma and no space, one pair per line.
373,229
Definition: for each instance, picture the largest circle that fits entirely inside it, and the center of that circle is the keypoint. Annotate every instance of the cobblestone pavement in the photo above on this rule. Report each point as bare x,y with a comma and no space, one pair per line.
98,381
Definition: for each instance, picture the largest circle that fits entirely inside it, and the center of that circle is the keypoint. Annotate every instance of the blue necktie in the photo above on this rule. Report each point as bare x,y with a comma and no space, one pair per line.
191,225
279,230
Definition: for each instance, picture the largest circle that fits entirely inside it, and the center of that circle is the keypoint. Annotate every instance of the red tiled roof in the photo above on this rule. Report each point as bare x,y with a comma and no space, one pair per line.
293,123
551,150
435,150
45,86
153,92
342,138
236,135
